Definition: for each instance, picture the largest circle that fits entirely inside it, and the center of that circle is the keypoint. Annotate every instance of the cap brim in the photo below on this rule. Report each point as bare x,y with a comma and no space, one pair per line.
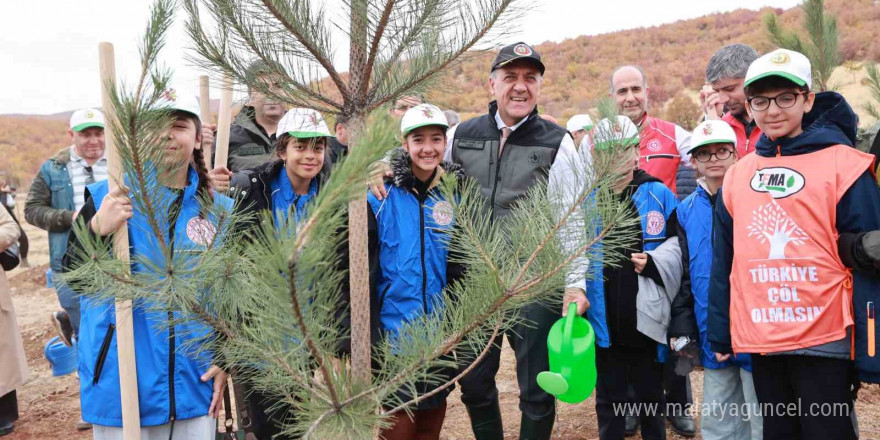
786,75
307,134
86,125
429,124
524,57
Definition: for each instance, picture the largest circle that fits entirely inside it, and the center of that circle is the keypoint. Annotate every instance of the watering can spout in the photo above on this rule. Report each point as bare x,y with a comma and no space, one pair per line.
571,346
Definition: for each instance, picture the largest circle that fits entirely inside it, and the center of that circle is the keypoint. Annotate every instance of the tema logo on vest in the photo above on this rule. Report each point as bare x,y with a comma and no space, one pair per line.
654,145
770,223
779,182
654,223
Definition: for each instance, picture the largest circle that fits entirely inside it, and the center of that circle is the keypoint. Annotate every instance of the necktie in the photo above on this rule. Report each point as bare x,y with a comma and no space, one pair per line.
90,175
505,133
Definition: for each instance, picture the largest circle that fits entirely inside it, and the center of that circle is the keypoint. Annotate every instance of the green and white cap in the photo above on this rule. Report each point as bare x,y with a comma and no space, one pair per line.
422,115
713,131
85,118
171,100
579,122
303,123
791,65
618,132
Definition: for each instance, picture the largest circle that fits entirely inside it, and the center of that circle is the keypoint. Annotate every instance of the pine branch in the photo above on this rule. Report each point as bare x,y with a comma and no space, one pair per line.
311,48
374,46
455,379
317,354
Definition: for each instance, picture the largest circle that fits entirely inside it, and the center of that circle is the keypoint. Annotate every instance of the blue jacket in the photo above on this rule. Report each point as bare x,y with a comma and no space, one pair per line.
169,384
412,248
654,203
695,234
831,121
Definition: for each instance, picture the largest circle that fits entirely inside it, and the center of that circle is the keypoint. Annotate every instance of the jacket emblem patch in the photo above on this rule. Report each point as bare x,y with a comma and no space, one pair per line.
654,223
200,231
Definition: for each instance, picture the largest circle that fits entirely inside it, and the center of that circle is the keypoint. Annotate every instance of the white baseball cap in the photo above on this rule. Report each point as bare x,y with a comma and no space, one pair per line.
713,131
619,132
422,115
303,123
171,100
791,65
579,122
85,118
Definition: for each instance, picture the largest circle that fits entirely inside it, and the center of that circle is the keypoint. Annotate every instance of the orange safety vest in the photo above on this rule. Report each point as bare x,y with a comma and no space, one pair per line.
658,151
744,145
788,287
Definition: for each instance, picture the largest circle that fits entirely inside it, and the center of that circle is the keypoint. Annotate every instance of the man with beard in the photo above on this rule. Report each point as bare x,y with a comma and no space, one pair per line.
723,94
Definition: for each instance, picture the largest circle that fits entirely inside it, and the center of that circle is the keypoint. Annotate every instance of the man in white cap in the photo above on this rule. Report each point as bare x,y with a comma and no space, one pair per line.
55,197
579,126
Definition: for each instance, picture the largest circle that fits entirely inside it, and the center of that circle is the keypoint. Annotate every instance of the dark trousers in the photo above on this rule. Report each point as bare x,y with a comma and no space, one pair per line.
529,343
425,424
805,397
677,390
617,370
8,408
267,415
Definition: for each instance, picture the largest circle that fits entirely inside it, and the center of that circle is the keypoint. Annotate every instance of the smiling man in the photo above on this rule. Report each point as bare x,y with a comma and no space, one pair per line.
662,144
723,95
508,150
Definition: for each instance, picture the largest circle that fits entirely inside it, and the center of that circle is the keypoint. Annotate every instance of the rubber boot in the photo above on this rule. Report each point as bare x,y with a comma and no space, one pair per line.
486,421
537,429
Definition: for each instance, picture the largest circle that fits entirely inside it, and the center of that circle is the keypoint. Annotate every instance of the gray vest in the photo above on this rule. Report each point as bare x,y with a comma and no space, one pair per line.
528,154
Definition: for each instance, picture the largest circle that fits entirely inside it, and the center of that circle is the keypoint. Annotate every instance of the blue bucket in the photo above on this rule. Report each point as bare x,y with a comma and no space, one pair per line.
61,357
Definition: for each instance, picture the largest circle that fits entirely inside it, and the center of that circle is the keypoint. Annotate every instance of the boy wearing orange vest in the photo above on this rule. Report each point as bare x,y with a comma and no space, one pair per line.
778,288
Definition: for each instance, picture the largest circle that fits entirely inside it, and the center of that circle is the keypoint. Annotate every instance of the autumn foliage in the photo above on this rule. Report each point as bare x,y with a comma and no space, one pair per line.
674,56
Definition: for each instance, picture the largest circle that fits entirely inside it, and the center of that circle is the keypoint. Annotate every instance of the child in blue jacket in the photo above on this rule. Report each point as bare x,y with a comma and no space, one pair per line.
409,231
178,391
624,355
727,380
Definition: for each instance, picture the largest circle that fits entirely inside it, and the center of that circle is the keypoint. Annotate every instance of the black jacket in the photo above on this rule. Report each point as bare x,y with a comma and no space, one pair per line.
622,283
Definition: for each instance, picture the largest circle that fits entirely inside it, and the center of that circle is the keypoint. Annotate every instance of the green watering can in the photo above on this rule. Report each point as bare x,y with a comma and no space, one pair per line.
572,347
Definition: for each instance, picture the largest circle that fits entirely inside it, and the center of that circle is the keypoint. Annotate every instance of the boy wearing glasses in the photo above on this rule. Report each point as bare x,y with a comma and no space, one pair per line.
778,288
727,380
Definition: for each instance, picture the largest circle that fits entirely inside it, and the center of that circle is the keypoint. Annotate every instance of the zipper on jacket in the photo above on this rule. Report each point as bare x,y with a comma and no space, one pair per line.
382,297
424,271
102,353
172,407
495,183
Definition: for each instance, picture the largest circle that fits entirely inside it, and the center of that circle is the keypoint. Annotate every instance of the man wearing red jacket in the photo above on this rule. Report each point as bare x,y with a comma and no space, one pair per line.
661,143
723,95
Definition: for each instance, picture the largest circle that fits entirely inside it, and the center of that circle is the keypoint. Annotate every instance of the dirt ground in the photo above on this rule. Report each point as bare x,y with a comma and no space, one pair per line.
49,406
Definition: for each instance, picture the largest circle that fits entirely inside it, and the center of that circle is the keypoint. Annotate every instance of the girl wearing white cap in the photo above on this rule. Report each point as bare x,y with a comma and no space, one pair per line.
412,224
282,187
178,390
727,381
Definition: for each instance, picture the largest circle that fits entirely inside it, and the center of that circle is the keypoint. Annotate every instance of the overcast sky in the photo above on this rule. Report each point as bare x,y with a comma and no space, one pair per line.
49,54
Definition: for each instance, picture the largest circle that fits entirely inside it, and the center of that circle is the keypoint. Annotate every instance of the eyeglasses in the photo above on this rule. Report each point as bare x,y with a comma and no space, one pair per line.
782,100
704,156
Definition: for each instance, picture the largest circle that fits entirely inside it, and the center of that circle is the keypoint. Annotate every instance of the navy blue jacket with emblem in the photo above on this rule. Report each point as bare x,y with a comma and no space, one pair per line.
612,290
409,232
169,377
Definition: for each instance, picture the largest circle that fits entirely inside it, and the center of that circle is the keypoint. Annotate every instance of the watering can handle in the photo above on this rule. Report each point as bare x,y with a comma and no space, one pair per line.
568,329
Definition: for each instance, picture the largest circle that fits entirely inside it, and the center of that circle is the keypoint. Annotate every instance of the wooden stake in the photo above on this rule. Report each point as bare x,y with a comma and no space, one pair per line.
131,417
205,106
359,276
224,119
